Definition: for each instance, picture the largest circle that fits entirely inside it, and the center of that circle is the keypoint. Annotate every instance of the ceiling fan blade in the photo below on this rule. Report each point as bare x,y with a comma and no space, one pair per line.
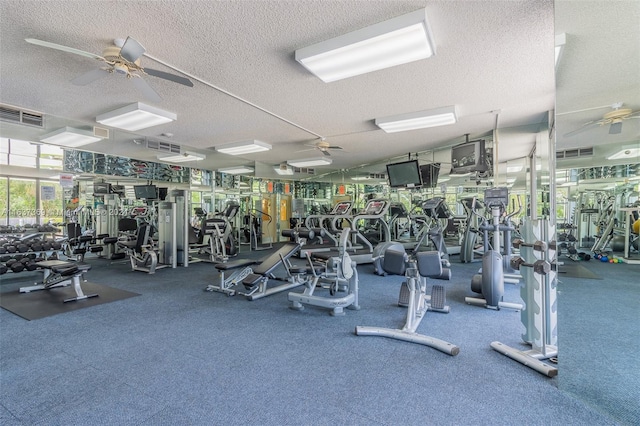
146,90
168,76
325,152
615,128
585,127
131,50
63,48
334,147
90,77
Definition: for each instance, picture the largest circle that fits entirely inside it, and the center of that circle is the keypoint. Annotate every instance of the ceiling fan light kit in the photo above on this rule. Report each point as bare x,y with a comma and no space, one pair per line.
136,116
182,158
310,162
406,38
418,120
70,137
124,59
243,147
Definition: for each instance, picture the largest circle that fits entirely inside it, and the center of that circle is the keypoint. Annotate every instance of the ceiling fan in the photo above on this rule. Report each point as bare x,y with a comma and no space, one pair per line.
323,146
121,58
614,118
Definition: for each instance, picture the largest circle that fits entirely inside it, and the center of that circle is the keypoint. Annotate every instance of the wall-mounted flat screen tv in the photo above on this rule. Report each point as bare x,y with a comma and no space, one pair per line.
469,157
101,188
429,174
405,174
162,193
146,192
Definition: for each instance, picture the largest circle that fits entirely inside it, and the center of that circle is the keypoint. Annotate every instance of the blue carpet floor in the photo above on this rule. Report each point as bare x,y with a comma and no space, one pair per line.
179,355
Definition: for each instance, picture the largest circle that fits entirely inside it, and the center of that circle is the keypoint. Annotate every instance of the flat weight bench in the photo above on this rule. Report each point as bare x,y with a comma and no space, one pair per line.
58,273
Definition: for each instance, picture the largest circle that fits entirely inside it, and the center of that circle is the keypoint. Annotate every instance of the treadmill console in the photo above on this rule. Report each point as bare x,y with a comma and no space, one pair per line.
436,208
342,208
496,197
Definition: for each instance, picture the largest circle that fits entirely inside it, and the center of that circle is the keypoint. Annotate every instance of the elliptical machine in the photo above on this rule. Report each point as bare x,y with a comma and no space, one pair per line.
490,281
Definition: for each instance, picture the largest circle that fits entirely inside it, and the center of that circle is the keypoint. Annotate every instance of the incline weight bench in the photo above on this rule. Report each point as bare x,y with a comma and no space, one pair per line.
255,278
58,273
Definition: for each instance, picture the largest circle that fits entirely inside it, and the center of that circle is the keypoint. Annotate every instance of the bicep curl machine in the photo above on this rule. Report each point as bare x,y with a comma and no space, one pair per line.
413,294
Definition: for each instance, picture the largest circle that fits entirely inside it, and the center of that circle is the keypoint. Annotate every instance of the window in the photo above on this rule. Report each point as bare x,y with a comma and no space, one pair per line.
4,202
51,202
22,202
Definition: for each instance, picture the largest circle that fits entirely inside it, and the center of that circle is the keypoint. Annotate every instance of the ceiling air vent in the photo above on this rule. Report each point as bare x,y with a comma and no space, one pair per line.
101,132
586,152
163,147
16,115
304,170
574,153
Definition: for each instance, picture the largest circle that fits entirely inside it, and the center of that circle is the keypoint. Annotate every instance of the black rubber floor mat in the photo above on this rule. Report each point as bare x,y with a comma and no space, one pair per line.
45,303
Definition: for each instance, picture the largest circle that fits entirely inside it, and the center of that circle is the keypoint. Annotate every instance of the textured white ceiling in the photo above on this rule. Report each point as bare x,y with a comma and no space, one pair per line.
491,56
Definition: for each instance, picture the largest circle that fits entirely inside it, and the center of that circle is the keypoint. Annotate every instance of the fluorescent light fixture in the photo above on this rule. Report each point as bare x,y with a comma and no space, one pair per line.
459,174
244,147
634,178
361,178
623,153
236,170
398,41
570,184
561,40
418,120
135,117
514,169
182,158
70,137
283,170
310,162
444,179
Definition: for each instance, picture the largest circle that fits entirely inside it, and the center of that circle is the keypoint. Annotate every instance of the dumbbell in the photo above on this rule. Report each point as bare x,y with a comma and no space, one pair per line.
537,246
539,266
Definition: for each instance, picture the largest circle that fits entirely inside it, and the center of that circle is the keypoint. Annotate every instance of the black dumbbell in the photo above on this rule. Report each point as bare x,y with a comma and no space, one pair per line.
31,266
584,256
537,246
17,267
3,269
539,266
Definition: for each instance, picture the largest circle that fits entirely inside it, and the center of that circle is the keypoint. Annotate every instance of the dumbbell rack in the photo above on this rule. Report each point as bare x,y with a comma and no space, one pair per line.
27,250
540,315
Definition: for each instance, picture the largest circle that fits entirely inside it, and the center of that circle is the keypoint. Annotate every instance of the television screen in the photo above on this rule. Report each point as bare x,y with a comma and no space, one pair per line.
429,174
468,157
145,192
404,175
162,193
101,188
